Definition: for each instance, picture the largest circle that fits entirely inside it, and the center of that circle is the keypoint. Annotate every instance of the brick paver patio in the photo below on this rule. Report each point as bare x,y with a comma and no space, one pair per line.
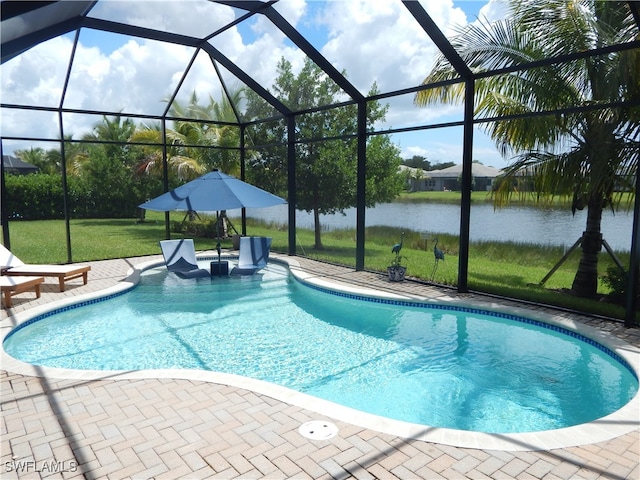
118,428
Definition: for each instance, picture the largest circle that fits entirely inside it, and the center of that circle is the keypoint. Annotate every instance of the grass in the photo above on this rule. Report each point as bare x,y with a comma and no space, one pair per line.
502,268
476,197
626,199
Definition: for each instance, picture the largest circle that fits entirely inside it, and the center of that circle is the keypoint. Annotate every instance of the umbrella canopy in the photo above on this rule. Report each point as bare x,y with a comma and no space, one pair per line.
212,192
14,165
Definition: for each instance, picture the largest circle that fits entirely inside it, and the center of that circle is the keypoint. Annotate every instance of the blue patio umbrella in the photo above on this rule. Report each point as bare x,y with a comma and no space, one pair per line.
212,192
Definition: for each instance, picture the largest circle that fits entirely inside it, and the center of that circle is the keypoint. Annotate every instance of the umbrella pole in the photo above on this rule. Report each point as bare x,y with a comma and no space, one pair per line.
218,246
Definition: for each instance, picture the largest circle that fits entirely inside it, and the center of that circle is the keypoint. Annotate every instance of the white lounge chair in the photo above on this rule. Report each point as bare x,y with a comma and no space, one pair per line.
180,258
253,256
11,265
11,286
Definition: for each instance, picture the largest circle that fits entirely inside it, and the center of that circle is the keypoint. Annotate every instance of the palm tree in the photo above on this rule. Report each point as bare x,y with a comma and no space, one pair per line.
182,165
36,156
115,132
228,136
50,161
583,155
188,140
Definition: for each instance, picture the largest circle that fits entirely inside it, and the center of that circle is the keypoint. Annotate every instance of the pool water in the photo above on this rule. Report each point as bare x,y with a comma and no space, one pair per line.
431,366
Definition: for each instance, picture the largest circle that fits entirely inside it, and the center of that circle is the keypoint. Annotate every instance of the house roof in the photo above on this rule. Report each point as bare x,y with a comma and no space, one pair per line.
15,165
477,170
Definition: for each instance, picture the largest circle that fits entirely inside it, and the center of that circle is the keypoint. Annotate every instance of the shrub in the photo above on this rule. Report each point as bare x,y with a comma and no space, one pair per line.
35,197
108,193
616,279
195,228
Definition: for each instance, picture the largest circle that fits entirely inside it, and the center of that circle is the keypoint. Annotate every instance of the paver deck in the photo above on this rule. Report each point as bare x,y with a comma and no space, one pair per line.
116,428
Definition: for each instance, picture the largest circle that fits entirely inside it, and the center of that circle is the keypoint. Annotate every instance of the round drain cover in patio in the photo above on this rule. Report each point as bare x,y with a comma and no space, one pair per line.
318,430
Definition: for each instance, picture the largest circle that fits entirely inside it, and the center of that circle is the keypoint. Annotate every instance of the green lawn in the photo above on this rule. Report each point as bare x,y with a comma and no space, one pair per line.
503,268
626,199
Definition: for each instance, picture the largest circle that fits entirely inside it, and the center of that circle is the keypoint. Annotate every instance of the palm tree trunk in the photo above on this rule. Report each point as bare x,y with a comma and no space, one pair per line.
585,283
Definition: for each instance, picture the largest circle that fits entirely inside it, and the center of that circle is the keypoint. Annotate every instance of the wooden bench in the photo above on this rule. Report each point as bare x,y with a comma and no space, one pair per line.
13,285
64,273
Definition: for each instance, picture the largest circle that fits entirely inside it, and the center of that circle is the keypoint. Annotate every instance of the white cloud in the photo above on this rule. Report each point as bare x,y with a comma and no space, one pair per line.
260,58
37,76
292,10
372,41
381,41
446,16
494,10
415,151
185,17
376,41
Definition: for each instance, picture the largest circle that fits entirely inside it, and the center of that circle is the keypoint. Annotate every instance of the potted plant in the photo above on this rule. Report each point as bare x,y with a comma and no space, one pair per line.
396,270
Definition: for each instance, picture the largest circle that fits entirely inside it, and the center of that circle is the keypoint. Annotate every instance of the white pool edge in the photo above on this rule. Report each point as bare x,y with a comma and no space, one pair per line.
618,423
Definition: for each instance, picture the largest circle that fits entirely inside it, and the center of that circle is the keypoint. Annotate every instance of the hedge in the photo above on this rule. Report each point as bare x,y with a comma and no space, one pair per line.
39,196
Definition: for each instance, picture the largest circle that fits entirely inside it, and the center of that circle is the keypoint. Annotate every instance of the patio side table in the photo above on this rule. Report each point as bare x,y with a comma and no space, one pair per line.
219,269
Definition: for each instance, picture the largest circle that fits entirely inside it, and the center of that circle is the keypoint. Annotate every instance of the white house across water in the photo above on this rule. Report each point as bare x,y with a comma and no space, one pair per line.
449,178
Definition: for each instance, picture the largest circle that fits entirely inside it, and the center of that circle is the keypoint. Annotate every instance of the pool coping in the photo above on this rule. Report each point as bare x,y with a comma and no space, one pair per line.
620,422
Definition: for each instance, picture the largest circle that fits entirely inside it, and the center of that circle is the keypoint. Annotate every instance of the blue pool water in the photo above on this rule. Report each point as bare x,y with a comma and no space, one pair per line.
442,367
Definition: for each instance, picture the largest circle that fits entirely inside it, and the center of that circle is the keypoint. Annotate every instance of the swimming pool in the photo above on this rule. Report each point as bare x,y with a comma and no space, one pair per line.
385,355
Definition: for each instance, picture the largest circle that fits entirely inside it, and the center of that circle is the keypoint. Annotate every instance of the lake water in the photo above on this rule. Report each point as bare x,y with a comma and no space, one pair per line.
518,224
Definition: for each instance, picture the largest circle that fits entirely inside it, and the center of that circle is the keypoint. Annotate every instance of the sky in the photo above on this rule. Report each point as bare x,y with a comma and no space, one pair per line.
372,41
